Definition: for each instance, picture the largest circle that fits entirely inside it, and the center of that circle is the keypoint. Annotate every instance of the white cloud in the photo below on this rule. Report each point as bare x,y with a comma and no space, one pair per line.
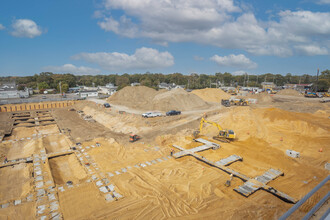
323,2
2,27
143,58
217,22
237,61
70,68
25,28
311,50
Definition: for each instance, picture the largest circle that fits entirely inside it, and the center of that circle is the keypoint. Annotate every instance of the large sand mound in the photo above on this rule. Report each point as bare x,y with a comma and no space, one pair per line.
289,92
144,98
211,94
177,99
133,96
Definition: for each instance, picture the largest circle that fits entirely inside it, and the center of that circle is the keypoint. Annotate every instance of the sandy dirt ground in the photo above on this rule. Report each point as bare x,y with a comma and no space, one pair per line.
18,174
66,168
155,186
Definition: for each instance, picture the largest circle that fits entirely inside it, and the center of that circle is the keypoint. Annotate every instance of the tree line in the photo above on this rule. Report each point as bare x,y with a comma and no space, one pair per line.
48,80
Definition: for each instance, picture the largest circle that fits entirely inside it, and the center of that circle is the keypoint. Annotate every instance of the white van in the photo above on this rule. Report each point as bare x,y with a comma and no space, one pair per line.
151,114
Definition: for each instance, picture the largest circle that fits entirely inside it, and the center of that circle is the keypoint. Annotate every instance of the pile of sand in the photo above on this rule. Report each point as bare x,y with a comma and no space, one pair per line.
144,98
211,94
133,96
289,92
177,99
263,98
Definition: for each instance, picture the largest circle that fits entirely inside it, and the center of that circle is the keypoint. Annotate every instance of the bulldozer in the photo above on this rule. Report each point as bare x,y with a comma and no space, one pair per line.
224,135
240,102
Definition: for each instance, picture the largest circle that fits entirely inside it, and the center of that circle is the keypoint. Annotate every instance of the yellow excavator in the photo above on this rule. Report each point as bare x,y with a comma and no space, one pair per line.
223,136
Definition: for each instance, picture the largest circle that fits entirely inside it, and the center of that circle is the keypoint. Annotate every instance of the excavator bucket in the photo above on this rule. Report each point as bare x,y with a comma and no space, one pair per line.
196,133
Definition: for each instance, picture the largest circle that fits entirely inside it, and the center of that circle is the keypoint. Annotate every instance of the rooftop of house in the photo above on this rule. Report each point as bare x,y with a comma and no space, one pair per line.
8,86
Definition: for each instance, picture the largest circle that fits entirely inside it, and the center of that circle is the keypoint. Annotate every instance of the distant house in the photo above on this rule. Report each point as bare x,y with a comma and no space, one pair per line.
135,84
268,85
85,88
108,89
299,87
170,86
74,89
179,87
9,91
88,93
164,86
303,87
50,91
290,86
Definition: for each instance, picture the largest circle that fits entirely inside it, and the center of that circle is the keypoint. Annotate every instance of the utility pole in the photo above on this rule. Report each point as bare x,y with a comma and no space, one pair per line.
317,79
244,79
257,79
247,84
60,83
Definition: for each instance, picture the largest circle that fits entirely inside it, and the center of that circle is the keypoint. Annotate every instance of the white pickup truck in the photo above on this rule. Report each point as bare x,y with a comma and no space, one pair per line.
151,114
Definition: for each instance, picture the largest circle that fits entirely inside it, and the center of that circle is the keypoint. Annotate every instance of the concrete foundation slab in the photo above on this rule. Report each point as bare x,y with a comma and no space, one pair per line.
109,197
111,187
99,183
17,202
54,206
292,153
103,189
4,205
229,160
117,195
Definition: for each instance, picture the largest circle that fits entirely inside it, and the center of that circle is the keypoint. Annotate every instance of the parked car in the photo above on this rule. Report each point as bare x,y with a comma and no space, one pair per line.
151,114
106,105
173,112
44,97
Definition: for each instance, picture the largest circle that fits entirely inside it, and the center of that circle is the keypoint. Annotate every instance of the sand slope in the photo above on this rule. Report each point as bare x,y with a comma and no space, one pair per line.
289,92
211,94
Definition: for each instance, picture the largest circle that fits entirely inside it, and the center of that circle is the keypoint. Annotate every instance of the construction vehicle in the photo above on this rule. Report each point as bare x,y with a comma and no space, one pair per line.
240,102
311,95
225,102
326,94
271,91
234,92
223,136
134,137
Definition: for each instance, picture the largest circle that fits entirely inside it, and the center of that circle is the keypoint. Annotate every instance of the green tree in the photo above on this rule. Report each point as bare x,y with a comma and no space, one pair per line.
322,85
21,87
43,86
122,81
65,87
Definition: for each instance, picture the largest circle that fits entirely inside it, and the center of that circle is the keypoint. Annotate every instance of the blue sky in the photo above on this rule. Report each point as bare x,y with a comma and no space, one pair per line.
167,36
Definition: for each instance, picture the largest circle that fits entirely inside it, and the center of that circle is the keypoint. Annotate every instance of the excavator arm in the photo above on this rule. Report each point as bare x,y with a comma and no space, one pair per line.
231,134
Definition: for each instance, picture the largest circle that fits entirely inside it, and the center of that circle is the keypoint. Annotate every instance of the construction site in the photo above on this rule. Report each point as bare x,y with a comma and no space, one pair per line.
253,160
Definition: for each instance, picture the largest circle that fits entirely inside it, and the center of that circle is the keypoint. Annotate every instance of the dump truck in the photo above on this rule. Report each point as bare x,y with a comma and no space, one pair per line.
225,102
224,135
